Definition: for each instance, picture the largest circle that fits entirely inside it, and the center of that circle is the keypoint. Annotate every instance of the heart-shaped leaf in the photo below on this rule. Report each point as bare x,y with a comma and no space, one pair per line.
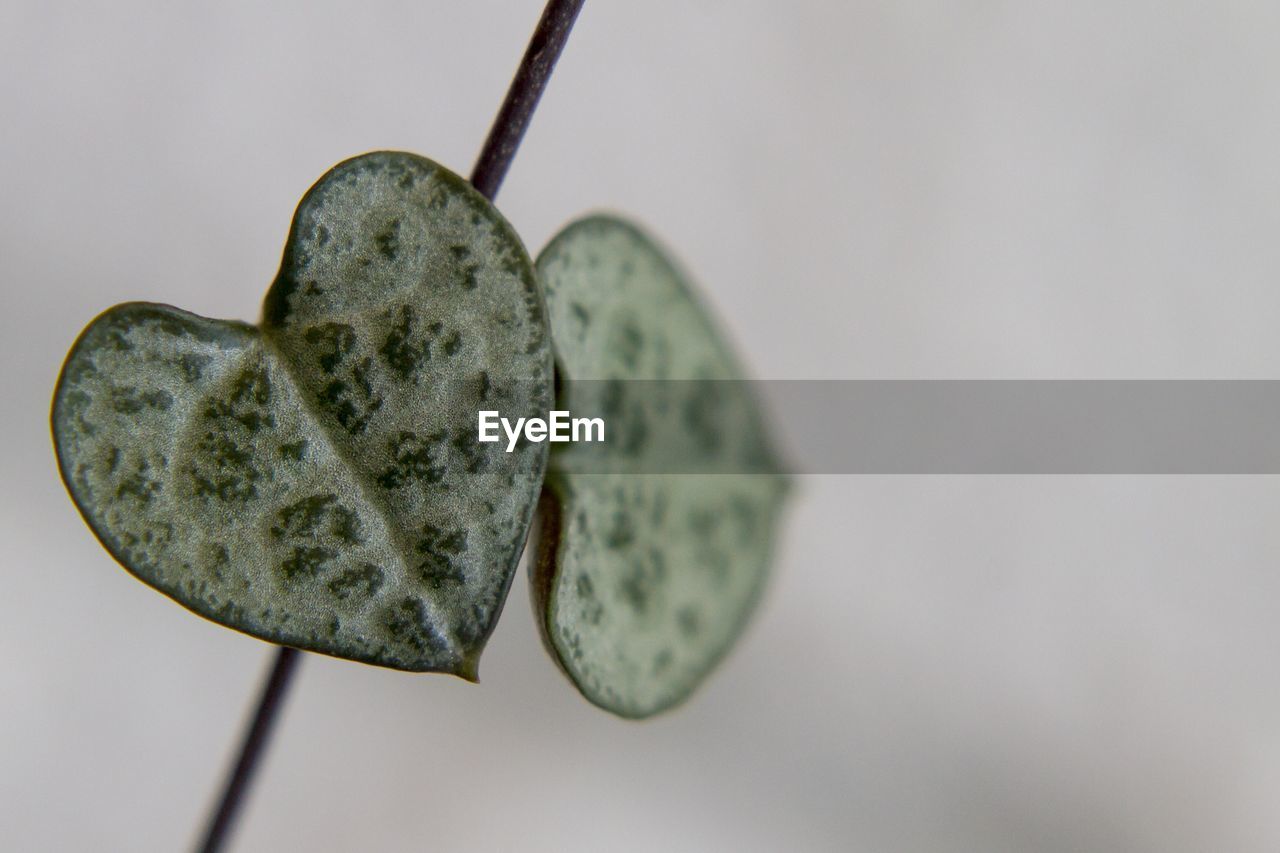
317,481
644,577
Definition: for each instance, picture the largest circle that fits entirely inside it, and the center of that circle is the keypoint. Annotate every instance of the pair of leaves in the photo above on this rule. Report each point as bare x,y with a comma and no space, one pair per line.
317,480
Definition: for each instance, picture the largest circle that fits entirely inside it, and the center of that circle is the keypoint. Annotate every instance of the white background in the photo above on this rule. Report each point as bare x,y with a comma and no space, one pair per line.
867,190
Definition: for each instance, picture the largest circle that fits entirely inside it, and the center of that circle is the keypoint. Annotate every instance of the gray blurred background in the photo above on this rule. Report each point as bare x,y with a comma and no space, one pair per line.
866,190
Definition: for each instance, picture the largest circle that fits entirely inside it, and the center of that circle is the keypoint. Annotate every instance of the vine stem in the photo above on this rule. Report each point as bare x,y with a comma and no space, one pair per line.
491,167
222,821
523,94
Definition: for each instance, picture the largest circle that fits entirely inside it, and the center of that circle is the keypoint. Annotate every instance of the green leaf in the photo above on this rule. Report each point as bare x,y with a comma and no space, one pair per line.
645,576
316,481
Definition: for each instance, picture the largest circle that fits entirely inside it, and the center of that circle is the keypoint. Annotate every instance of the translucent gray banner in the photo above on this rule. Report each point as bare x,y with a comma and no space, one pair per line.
929,427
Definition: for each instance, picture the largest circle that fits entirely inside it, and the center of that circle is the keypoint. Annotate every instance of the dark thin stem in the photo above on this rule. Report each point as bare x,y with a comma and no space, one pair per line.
522,96
255,740
491,167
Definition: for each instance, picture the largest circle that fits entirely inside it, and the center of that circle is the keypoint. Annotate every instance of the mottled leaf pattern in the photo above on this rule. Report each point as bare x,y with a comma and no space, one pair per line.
643,580
317,481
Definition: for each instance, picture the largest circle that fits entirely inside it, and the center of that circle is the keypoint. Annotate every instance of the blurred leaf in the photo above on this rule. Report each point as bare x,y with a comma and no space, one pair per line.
643,576
316,481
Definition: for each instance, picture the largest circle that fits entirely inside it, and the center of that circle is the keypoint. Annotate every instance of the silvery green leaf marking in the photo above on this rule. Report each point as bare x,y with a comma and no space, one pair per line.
642,580
317,481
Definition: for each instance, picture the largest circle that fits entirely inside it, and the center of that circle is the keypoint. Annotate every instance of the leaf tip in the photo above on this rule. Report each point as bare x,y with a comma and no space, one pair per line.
468,669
